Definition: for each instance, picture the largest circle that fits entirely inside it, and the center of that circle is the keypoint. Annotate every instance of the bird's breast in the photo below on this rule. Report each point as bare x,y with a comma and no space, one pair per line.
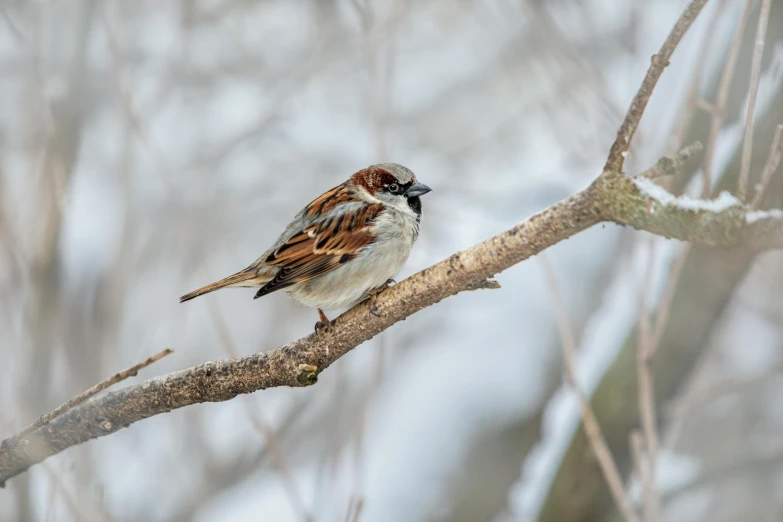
377,263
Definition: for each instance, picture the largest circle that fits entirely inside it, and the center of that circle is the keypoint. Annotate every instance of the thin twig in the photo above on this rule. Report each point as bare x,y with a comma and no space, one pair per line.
773,161
753,90
75,508
355,506
673,165
706,106
614,162
649,495
693,101
664,307
649,340
590,422
686,405
646,387
43,420
722,98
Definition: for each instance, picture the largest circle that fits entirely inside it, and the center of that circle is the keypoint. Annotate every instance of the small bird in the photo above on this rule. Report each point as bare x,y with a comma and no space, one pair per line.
343,247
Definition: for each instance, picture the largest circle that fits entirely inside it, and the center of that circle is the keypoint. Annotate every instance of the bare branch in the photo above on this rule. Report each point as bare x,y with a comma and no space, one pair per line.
645,447
298,363
614,162
646,384
773,161
719,107
693,101
753,90
650,497
674,165
662,317
612,197
11,442
722,222
589,420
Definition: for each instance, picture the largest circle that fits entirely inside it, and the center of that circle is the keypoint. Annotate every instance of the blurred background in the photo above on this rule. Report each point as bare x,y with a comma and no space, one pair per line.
148,148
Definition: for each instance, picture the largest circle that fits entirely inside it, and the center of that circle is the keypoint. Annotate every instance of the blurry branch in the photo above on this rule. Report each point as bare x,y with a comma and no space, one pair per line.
267,433
79,509
66,495
546,25
590,422
674,165
125,101
683,407
692,99
764,465
221,473
753,90
644,447
775,154
662,317
612,197
52,180
718,109
650,496
11,442
688,314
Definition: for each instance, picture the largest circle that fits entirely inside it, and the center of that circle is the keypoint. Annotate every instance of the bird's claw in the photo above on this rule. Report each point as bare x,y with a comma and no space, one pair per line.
321,327
373,309
323,324
373,293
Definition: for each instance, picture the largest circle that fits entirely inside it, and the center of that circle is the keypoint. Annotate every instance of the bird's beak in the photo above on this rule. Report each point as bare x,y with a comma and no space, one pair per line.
417,189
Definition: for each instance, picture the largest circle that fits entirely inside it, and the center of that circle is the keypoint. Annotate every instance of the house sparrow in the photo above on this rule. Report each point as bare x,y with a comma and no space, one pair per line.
342,248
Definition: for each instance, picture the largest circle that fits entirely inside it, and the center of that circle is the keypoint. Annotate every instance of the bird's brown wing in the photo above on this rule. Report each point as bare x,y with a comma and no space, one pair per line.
321,247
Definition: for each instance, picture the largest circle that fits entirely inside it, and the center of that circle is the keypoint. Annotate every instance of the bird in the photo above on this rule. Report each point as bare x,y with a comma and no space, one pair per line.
343,247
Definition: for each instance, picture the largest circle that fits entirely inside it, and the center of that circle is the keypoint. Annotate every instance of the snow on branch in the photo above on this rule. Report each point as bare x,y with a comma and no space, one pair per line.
721,222
659,196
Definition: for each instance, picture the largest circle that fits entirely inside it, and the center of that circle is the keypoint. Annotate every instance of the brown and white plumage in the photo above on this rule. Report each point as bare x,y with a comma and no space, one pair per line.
344,244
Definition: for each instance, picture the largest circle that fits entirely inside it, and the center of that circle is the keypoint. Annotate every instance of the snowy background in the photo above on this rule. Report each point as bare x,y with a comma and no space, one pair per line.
148,148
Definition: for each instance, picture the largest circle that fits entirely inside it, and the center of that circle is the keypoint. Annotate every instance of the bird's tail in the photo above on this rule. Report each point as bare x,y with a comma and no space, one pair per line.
247,277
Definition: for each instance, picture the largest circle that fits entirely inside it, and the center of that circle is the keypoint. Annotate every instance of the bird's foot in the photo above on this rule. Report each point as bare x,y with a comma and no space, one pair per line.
322,325
373,293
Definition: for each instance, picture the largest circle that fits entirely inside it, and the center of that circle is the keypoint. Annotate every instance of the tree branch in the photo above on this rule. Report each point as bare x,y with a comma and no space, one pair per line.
721,222
614,162
611,197
298,363
43,420
675,165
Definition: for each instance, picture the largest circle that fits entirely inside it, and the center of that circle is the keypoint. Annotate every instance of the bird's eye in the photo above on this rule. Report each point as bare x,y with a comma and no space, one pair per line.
393,188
